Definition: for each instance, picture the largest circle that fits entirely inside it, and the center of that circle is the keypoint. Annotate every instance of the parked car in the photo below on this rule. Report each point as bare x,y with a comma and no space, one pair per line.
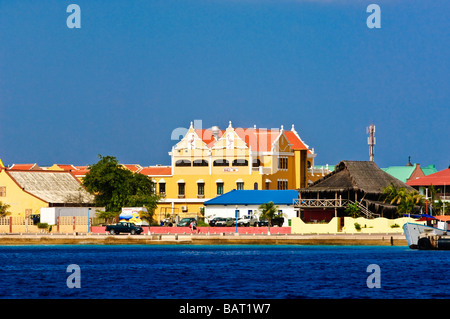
225,222
279,221
185,222
213,221
247,221
263,223
124,227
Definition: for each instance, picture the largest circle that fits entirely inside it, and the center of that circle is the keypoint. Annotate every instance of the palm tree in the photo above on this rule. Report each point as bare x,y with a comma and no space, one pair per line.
408,202
405,200
4,210
268,211
393,195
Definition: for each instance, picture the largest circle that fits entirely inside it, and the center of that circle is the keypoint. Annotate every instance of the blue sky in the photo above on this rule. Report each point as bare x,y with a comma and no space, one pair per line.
137,70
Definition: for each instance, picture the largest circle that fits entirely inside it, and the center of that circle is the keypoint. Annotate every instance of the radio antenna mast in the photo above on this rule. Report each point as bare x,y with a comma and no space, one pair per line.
371,140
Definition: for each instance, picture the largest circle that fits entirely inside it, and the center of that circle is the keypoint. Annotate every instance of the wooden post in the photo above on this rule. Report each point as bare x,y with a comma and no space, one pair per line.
335,206
10,224
73,223
57,224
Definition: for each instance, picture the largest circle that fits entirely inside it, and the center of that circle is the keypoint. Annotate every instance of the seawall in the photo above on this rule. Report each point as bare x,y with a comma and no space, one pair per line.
203,239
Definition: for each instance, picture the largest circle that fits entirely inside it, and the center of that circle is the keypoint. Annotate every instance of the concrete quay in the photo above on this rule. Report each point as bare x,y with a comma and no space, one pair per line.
203,239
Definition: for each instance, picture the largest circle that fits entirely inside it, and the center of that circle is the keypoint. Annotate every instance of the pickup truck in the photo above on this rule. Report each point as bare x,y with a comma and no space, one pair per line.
124,227
247,221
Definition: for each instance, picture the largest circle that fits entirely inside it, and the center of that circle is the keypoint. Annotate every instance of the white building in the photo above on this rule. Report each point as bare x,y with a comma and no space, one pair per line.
247,202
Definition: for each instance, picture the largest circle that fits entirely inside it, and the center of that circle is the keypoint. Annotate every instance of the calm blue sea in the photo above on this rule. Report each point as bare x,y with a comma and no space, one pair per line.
222,272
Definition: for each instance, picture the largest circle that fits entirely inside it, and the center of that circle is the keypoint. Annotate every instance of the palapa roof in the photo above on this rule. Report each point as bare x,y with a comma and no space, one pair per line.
51,186
364,176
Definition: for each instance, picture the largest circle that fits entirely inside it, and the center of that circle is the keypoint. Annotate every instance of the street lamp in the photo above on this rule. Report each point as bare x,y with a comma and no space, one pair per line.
236,213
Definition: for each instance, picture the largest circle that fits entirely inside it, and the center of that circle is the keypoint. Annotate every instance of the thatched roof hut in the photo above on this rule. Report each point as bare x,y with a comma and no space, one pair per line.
355,176
361,181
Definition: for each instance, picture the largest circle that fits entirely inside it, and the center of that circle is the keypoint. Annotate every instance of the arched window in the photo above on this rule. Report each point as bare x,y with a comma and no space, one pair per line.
221,162
183,163
256,162
200,162
240,162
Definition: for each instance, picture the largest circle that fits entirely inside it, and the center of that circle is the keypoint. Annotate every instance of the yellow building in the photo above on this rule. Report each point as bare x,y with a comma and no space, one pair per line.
27,190
206,163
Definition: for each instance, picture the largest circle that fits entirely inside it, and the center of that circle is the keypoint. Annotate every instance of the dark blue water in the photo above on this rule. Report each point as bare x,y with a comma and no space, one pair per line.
219,272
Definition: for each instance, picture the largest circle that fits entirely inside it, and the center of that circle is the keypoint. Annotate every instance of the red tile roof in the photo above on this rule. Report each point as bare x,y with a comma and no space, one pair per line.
156,171
438,178
259,140
67,167
25,167
133,167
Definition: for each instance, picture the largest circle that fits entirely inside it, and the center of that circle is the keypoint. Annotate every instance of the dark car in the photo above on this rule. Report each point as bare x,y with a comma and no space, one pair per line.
124,227
263,223
225,222
278,221
185,222
213,221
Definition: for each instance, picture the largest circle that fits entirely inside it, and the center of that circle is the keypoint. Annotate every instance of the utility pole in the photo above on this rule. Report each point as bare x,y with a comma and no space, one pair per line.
371,141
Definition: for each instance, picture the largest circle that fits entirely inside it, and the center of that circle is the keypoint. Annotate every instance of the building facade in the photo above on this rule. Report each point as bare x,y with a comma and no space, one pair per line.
207,163
239,203
26,191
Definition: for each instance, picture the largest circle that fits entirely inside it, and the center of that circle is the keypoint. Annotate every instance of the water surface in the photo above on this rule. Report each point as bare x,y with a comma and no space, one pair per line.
222,272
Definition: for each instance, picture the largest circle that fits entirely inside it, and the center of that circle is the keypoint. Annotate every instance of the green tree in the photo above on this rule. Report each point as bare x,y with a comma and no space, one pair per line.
408,202
269,211
4,210
148,215
404,199
115,187
353,209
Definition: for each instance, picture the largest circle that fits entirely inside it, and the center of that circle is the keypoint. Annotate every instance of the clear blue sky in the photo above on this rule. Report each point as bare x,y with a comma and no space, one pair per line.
137,70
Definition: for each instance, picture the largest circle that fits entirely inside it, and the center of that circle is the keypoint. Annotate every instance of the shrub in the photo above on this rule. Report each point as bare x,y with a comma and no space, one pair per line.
357,226
42,225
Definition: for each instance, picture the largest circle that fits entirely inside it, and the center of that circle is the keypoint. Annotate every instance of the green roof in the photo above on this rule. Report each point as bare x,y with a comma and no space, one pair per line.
404,172
430,169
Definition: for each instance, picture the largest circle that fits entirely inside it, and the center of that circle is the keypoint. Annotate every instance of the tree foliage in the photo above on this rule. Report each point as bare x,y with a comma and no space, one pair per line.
269,211
4,210
405,200
115,187
353,210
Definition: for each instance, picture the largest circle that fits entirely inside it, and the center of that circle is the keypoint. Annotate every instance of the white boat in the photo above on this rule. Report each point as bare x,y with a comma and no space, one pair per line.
420,236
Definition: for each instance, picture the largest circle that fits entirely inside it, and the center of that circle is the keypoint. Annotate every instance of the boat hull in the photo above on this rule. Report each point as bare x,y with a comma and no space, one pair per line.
414,232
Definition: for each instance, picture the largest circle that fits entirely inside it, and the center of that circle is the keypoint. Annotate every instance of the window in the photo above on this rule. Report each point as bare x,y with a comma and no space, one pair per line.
181,189
267,185
282,184
162,188
201,189
282,163
256,162
255,186
2,191
240,162
240,185
200,162
183,163
221,162
219,188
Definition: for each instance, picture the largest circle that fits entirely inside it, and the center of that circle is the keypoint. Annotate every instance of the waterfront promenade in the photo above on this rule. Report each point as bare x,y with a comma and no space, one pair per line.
202,239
